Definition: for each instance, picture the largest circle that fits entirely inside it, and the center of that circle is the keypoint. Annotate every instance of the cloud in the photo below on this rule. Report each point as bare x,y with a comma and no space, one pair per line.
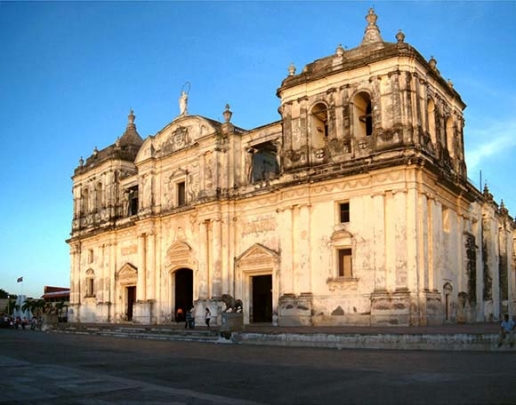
494,139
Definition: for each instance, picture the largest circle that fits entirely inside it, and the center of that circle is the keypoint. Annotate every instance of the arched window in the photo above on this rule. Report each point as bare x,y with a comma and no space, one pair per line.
98,197
85,197
430,110
363,117
450,136
319,125
264,164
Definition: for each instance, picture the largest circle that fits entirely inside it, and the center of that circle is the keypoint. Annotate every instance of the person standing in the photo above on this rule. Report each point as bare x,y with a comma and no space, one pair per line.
507,329
179,315
207,317
188,319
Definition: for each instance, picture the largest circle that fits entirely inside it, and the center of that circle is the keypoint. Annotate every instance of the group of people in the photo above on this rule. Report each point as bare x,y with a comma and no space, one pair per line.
21,323
189,317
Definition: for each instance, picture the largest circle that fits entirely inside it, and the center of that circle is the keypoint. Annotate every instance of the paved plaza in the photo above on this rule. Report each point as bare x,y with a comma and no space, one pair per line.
74,369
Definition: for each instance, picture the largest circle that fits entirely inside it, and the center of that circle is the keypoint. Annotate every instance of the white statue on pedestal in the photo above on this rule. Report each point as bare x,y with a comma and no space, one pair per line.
183,103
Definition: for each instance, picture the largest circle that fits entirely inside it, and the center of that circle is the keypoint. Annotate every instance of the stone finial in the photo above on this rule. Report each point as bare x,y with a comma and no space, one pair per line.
227,114
371,17
81,162
95,151
131,117
372,32
117,143
450,83
400,37
339,51
291,69
130,136
433,63
503,210
488,196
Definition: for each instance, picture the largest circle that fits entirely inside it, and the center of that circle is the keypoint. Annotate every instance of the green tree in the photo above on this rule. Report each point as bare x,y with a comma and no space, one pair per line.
36,307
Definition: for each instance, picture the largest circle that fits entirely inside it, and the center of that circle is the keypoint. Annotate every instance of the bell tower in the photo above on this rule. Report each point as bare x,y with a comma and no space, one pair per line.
379,103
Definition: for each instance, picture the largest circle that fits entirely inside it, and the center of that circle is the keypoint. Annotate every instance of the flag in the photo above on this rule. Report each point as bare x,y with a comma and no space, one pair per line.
19,280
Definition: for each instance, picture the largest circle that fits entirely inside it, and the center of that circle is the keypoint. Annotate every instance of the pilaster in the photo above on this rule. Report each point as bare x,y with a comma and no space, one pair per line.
142,254
216,260
378,224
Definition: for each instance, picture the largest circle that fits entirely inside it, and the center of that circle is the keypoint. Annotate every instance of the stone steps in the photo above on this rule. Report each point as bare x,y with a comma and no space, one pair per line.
386,340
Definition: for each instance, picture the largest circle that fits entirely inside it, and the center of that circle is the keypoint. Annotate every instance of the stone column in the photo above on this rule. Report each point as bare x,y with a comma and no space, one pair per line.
299,140
216,260
378,224
401,240
203,270
426,263
302,275
415,248
391,239
286,279
413,240
151,267
437,245
141,287
75,283
286,114
75,286
228,244
112,279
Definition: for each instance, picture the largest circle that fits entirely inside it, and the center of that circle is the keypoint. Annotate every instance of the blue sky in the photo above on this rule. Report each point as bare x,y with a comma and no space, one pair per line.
70,72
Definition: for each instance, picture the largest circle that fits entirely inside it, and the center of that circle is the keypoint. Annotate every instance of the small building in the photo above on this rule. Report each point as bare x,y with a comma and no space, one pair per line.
58,295
353,209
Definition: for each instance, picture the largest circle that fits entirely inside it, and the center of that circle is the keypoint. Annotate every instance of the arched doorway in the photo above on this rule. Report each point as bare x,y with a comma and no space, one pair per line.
183,290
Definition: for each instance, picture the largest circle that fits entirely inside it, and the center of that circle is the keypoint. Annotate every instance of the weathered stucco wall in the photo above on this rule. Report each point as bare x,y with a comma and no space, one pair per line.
374,132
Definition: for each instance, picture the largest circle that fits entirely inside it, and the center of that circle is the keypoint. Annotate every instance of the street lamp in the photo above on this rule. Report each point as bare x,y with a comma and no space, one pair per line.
8,305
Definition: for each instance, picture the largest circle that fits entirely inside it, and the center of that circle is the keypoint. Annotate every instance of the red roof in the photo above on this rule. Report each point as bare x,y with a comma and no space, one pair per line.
56,292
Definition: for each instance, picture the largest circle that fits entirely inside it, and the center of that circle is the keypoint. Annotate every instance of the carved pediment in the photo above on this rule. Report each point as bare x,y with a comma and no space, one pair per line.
257,257
181,133
128,274
178,254
340,234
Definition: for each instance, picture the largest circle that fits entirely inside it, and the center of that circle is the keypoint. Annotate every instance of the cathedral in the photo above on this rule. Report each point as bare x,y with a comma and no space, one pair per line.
353,209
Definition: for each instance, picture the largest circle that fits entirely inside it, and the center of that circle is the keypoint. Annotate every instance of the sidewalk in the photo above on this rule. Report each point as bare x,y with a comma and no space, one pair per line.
473,337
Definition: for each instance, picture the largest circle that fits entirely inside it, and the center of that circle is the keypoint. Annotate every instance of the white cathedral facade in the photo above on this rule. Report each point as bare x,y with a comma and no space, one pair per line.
353,209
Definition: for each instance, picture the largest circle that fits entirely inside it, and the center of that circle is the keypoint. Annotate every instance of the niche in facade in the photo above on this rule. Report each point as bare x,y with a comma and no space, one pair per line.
98,197
264,165
319,125
363,117
85,196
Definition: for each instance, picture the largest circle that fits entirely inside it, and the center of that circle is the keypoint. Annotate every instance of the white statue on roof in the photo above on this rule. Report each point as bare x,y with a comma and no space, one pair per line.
183,100
183,104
